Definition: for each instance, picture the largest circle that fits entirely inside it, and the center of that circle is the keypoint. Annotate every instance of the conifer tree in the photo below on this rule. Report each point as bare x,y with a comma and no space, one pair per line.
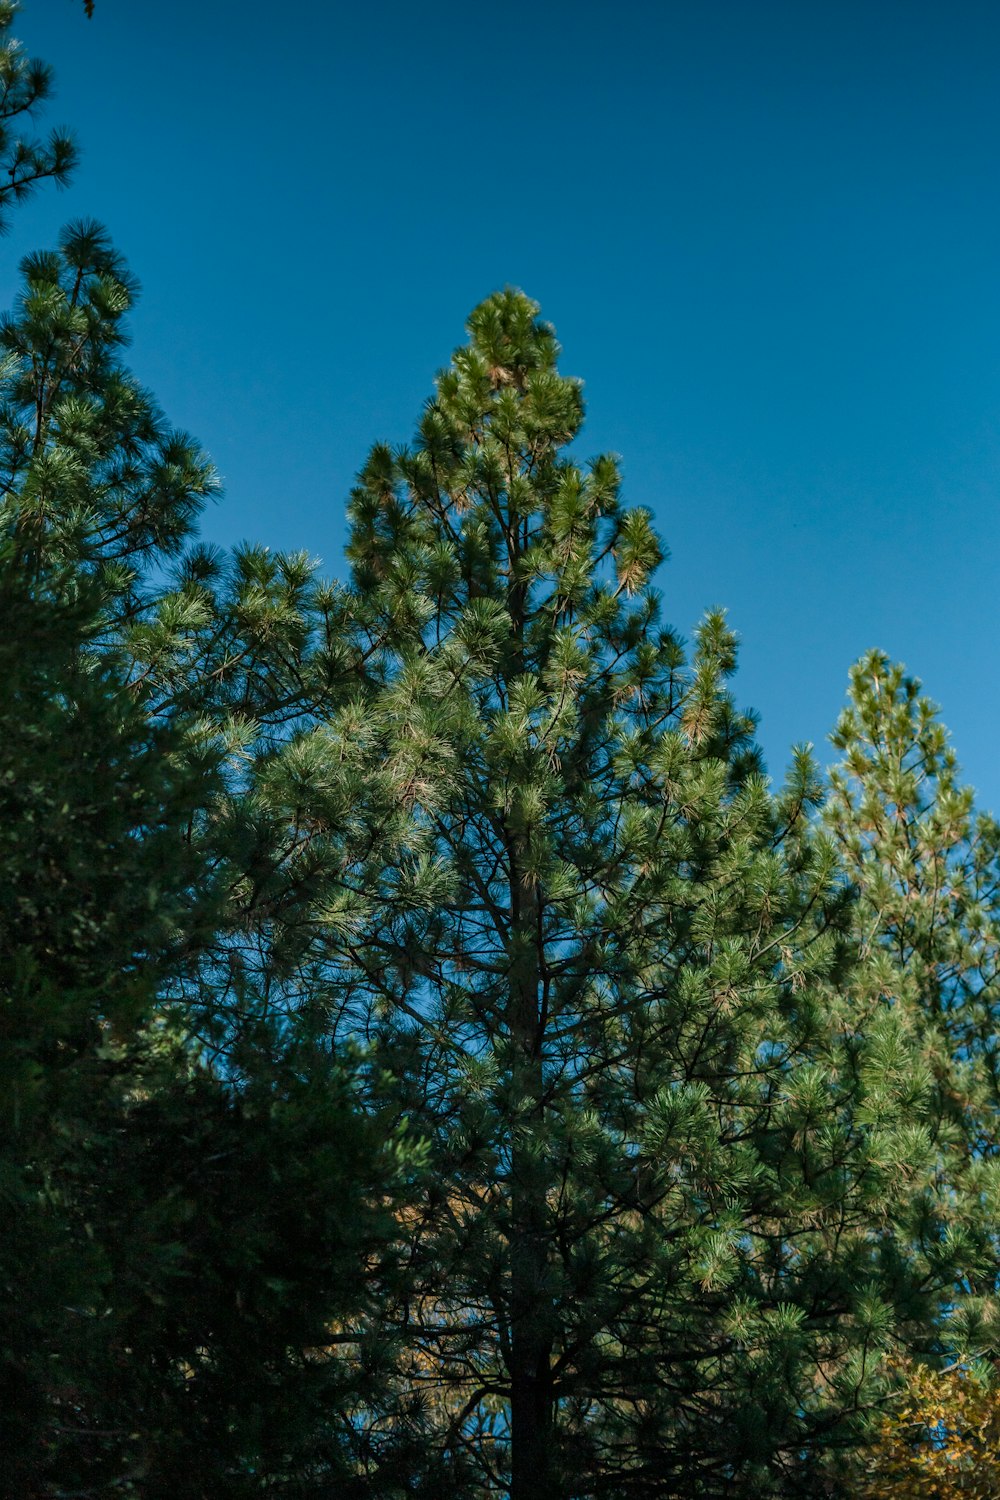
91,475
476,836
25,161
189,1240
601,968
193,1239
926,865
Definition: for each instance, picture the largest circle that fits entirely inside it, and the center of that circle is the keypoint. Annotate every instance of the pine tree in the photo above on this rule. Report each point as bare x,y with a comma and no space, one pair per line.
926,865
189,1247
473,836
25,162
601,968
100,895
91,473
192,1235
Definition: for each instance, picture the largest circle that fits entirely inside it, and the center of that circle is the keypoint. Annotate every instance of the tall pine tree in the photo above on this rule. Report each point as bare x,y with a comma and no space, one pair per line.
190,1238
478,821
926,865
601,969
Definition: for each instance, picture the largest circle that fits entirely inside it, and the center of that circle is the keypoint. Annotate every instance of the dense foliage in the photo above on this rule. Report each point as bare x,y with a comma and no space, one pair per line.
435,1059
657,1253
937,1439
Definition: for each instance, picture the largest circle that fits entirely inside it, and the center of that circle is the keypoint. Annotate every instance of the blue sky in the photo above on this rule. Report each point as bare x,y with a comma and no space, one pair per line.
767,232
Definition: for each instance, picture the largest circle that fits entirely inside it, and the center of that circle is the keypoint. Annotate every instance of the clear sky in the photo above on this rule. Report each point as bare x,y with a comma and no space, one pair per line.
767,232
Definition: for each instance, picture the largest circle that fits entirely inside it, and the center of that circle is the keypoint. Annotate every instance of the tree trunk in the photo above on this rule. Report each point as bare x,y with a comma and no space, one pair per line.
531,1310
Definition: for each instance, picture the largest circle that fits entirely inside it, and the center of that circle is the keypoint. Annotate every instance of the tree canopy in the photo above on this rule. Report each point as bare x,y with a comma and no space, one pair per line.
437,1060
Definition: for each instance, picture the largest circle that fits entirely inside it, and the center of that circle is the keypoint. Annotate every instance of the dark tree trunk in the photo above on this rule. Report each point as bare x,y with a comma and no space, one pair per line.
531,1309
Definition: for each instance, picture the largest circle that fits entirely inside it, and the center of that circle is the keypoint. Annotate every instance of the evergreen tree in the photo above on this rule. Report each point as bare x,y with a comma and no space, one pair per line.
90,473
475,838
190,1238
99,895
193,1242
25,162
926,865
601,964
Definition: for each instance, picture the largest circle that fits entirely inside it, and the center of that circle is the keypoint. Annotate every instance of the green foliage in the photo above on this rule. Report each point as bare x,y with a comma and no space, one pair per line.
926,862
189,1248
25,161
435,1060
926,866
204,1254
190,1237
91,474
603,966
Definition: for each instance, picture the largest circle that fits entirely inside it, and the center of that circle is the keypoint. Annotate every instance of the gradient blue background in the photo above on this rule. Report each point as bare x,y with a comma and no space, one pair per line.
767,232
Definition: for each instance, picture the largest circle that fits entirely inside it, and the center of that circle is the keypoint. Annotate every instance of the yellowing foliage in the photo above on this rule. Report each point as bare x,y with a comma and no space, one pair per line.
941,1439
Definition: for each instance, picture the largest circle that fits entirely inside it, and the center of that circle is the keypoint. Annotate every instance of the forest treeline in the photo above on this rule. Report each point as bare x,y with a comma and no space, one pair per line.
436,1061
